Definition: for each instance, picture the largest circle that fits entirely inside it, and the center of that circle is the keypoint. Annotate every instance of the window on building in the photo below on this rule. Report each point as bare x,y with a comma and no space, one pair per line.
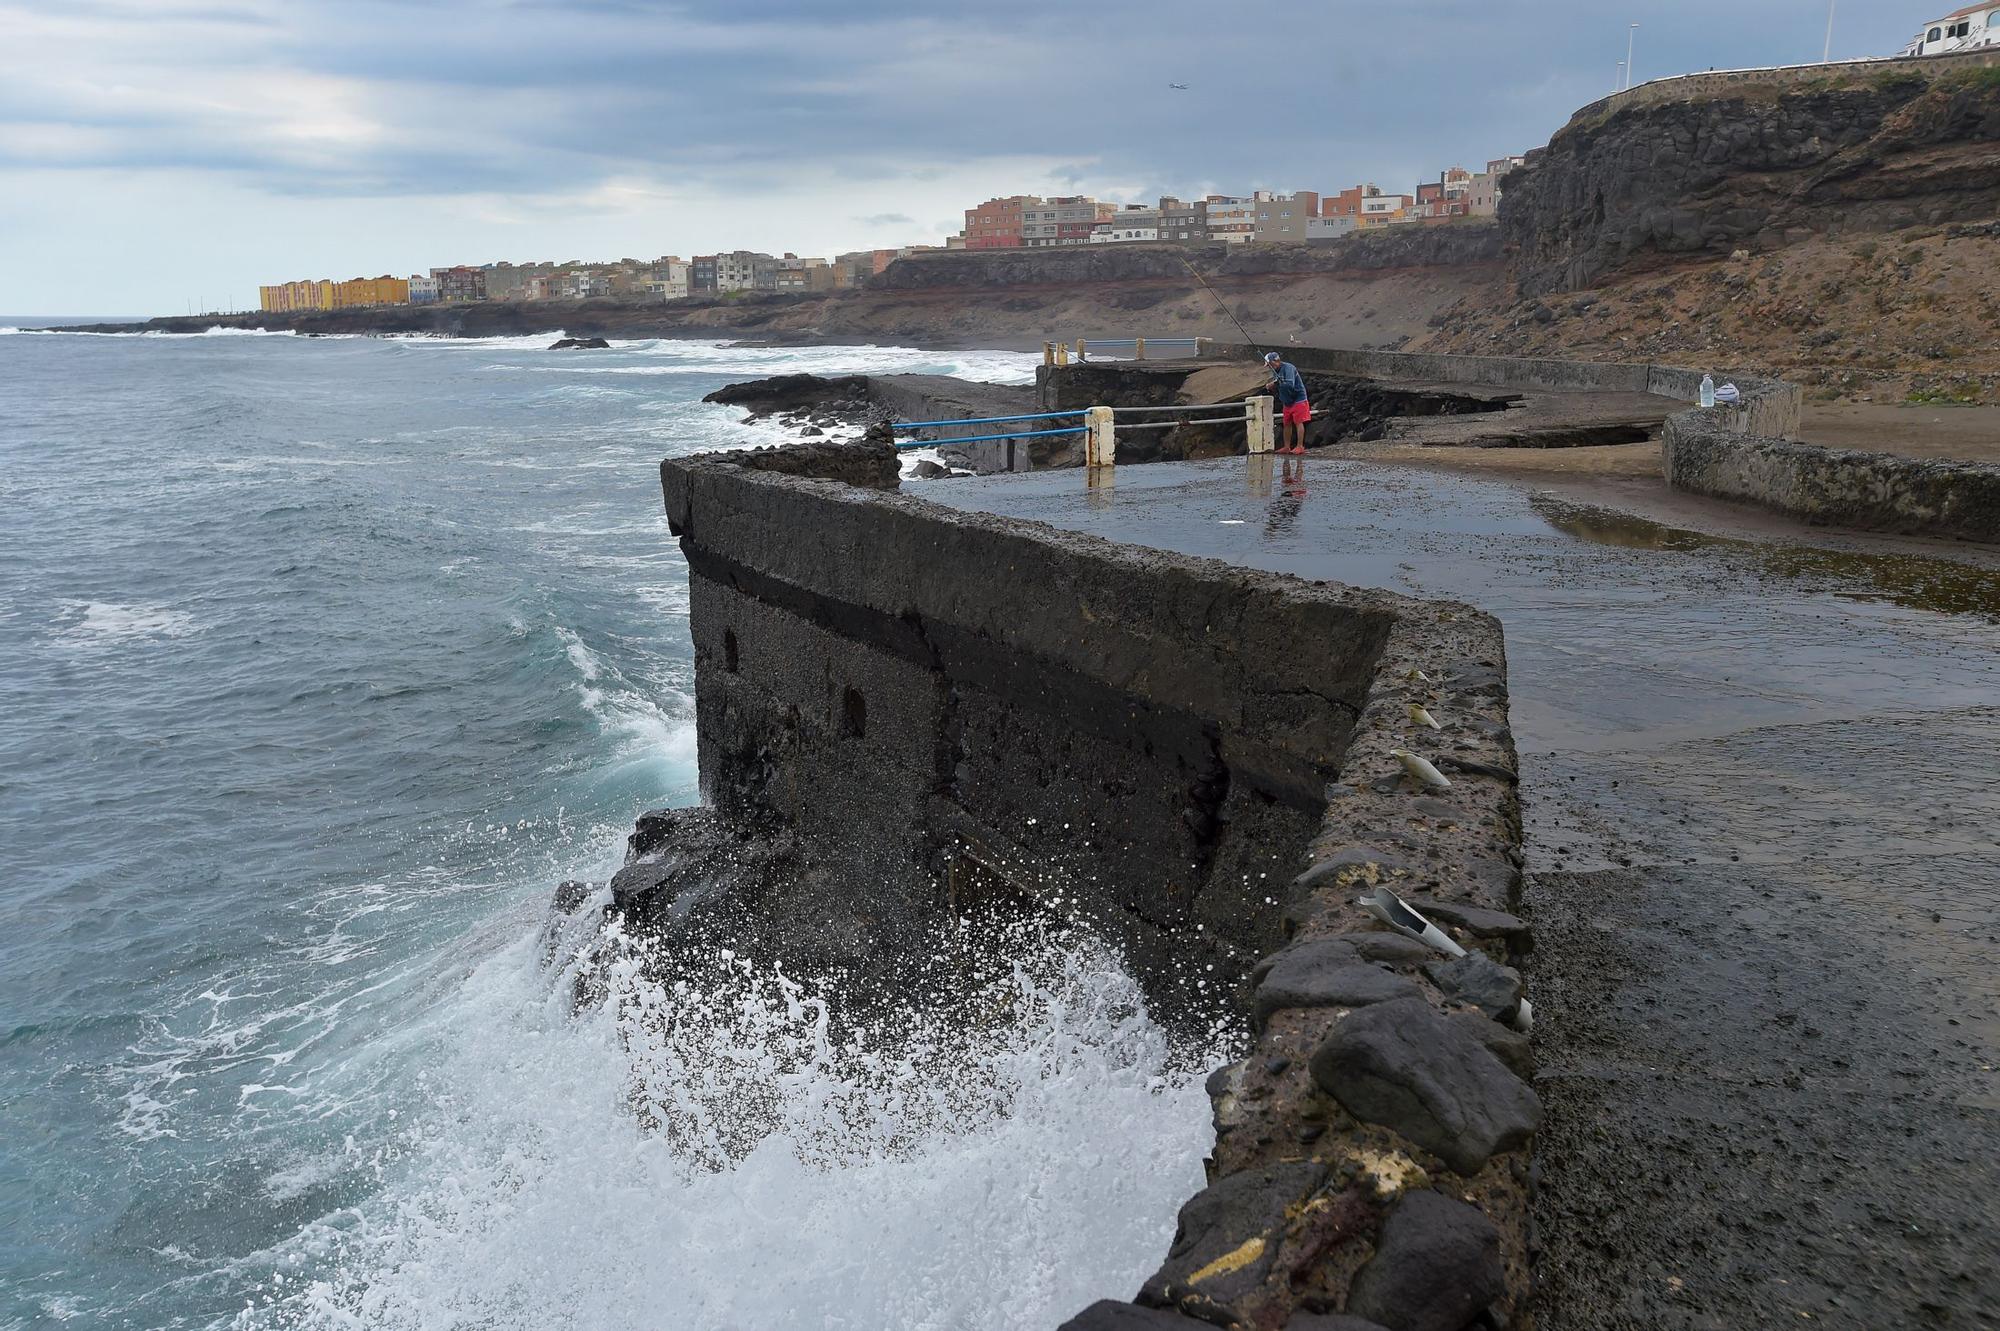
1960,29
1937,35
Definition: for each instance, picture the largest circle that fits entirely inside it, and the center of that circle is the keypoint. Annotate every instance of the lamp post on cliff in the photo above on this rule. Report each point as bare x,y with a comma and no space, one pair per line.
1827,55
1618,80
1631,34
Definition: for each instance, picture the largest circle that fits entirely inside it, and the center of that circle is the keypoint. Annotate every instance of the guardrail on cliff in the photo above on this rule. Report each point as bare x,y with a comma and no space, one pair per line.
1124,348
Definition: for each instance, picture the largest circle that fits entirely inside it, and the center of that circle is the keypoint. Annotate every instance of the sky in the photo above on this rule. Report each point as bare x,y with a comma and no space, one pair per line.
158,156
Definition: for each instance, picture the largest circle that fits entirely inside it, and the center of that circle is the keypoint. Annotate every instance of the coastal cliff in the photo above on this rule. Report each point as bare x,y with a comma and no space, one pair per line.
1757,166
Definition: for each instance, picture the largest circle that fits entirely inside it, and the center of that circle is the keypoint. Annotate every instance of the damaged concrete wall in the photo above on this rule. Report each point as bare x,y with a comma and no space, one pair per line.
954,699
1833,487
934,695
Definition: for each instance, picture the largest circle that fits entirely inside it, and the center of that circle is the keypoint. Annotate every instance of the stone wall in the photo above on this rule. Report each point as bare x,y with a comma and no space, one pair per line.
1833,487
933,695
1732,83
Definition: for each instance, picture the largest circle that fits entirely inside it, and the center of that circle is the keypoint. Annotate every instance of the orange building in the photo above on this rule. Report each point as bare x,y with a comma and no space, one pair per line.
996,224
291,297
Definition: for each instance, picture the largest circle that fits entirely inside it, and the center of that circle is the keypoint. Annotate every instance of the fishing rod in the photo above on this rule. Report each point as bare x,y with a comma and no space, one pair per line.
1220,302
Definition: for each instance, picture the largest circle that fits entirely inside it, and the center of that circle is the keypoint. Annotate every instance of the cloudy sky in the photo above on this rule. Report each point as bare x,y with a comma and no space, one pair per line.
161,153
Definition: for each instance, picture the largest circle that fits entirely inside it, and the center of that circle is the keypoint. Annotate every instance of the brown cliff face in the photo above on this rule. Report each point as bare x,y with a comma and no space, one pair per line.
1758,168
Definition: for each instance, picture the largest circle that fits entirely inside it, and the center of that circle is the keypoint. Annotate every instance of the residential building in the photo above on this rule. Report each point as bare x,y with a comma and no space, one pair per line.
1230,219
1348,202
509,281
701,275
1330,228
1484,198
423,289
1961,30
1183,222
996,224
1065,220
1380,209
1133,222
745,270
291,297
668,279
795,274
460,284
1281,218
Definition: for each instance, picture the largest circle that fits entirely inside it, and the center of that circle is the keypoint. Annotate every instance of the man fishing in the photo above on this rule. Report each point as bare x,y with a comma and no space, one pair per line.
1290,389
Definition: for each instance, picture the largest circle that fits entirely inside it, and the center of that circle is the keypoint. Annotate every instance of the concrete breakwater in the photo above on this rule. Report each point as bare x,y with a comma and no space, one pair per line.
907,714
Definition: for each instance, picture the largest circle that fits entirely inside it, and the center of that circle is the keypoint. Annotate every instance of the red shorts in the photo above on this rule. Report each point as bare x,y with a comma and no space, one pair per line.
1298,413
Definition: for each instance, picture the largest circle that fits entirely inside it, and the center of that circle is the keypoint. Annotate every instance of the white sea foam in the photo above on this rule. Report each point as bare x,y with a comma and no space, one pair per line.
103,623
722,1146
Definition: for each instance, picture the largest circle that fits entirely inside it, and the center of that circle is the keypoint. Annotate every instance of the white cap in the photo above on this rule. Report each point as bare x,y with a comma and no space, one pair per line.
1270,356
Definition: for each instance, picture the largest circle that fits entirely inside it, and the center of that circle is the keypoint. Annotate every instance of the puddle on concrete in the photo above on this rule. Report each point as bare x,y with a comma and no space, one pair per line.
1619,631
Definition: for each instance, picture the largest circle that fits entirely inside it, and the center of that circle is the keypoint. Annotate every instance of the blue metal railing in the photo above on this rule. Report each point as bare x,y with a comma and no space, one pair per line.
901,427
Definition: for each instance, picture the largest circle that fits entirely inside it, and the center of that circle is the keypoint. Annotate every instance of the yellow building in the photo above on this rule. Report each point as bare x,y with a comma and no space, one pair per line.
291,297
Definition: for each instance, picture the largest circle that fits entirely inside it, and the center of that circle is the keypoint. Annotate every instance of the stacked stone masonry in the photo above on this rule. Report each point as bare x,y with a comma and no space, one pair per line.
1370,1166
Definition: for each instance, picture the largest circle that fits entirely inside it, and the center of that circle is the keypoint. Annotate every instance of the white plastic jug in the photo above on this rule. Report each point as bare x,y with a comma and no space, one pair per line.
1708,390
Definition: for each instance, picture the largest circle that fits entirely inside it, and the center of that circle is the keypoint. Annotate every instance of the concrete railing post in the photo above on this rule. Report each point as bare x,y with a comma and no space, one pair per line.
1048,353
1138,348
1080,353
1257,424
1100,443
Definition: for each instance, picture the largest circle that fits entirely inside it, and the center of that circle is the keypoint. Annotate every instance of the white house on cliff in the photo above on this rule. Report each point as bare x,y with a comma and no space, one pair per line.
1968,28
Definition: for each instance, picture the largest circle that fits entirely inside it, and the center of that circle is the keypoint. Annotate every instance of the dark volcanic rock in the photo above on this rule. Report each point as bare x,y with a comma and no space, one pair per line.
927,470
1326,973
1620,189
1503,1042
1228,1237
1475,920
795,392
1332,1322
1477,980
580,344
1435,1266
1406,1067
1108,1315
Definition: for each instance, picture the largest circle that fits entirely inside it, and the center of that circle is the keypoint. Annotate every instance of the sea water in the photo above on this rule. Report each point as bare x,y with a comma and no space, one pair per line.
323,660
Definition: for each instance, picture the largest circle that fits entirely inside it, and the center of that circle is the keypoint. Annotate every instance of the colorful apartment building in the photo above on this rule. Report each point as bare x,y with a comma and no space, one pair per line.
996,224
1231,220
1065,220
460,284
324,294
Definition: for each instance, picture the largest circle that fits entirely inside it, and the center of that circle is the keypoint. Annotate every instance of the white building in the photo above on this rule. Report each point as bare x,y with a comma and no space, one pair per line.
1329,228
1135,221
669,280
1962,30
423,290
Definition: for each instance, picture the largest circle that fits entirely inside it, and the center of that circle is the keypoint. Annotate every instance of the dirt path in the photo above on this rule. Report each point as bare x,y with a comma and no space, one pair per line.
1968,434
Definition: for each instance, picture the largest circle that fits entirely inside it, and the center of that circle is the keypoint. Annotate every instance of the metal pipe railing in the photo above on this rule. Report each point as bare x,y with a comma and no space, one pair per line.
1174,425
900,426
1181,406
983,438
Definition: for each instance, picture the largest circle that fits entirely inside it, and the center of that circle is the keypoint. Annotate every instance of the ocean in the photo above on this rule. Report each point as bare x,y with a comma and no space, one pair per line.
324,661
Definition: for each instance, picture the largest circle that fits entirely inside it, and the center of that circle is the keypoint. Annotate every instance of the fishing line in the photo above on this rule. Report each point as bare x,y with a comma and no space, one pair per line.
1222,304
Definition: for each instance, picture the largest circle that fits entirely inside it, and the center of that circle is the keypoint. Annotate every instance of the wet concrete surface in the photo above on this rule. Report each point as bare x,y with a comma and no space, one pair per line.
1762,783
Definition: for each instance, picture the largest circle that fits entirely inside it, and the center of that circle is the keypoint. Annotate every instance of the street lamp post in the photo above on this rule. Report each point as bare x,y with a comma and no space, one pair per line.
1630,33
1827,55
1618,81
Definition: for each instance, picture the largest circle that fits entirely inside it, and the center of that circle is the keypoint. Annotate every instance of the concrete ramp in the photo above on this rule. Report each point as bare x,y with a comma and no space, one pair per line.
1221,383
